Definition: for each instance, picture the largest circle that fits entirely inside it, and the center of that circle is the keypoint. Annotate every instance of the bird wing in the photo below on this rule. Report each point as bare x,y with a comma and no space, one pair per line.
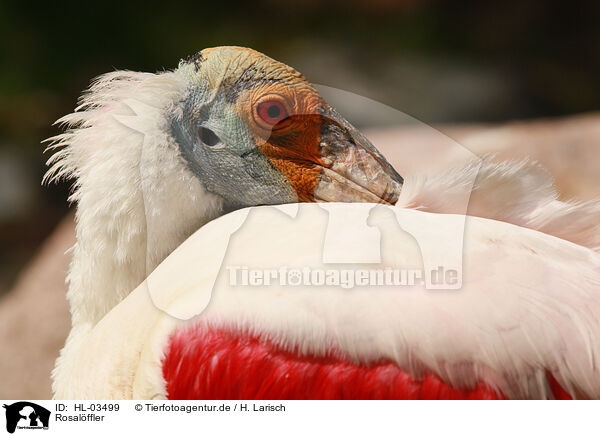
524,324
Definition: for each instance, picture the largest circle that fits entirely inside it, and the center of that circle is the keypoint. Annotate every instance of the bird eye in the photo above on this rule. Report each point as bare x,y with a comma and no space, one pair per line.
209,137
272,112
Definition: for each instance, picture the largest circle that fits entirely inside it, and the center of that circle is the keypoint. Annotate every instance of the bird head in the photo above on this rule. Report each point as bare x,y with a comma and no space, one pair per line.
255,131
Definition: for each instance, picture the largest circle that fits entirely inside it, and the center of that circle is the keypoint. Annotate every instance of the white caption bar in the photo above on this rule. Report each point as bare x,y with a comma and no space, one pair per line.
299,417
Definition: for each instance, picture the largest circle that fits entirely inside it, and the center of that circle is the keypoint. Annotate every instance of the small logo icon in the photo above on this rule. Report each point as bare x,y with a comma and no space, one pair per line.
26,415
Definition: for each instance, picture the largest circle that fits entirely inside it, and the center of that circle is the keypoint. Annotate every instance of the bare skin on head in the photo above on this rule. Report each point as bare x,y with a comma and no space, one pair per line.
318,152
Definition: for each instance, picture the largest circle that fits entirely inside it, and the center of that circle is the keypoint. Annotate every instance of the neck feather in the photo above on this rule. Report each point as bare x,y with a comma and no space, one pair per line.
130,185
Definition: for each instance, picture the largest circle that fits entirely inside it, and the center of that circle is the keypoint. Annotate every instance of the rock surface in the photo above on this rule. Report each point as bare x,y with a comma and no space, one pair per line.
34,319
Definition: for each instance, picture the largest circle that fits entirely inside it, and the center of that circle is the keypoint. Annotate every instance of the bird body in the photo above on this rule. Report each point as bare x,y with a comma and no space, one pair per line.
497,336
169,170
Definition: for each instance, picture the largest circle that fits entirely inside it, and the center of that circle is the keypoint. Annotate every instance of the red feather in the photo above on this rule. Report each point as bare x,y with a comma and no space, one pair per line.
203,363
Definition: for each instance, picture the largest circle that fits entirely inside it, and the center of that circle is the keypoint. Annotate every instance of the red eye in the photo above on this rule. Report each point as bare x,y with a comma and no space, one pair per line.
272,112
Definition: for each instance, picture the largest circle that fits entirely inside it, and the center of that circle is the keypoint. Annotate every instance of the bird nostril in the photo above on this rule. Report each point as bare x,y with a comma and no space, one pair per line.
208,137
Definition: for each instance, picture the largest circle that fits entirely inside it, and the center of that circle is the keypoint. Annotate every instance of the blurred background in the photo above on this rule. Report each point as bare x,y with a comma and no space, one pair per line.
447,64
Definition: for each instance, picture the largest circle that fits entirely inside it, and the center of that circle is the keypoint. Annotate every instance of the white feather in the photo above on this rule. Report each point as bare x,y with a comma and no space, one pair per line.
129,187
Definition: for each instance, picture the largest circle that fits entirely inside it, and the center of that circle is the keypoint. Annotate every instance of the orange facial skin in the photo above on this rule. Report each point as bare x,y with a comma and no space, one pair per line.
292,144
